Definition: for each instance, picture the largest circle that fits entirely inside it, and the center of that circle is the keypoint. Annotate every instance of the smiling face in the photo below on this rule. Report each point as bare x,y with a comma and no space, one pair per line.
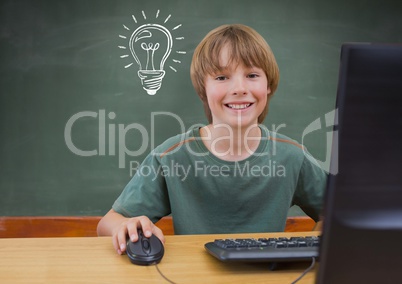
229,48
236,94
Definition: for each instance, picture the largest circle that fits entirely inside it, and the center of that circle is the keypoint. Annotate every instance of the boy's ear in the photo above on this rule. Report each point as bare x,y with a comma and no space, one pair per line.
269,91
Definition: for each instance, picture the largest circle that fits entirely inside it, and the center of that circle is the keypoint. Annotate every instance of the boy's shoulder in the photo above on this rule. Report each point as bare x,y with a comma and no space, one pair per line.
175,142
283,145
282,141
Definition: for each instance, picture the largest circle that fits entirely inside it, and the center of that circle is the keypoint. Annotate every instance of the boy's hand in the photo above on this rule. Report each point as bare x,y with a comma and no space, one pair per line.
129,228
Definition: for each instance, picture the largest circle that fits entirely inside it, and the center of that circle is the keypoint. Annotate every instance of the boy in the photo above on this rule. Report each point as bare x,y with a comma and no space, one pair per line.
230,176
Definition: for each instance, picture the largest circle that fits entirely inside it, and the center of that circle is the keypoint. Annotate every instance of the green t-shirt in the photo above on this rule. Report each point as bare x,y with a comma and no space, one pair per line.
207,195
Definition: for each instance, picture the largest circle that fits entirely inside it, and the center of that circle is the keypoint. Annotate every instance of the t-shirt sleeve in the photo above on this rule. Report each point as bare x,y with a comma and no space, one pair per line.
311,185
146,193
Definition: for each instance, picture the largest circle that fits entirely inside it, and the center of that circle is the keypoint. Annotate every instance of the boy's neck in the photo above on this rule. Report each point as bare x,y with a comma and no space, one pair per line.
231,144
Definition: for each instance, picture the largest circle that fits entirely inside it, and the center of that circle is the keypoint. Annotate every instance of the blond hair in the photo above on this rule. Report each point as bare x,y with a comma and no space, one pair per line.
245,46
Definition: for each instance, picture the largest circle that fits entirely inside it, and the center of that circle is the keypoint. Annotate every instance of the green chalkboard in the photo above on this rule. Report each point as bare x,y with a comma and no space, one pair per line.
75,118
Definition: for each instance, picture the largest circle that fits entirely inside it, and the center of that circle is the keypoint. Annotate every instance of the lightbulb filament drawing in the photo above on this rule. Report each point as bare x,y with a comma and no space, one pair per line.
150,46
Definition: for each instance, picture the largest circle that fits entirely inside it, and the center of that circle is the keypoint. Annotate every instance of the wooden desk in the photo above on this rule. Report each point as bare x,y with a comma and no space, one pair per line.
93,260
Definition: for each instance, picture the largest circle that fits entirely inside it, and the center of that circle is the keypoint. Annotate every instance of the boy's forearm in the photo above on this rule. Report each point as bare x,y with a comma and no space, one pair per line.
318,226
109,222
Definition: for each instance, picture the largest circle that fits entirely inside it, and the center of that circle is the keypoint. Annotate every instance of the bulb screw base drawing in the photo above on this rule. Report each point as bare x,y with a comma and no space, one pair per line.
151,80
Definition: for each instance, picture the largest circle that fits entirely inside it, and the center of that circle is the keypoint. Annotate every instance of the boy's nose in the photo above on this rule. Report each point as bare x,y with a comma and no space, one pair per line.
239,87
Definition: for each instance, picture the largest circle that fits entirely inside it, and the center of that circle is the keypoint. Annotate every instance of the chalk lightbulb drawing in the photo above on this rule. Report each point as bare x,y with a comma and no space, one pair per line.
150,45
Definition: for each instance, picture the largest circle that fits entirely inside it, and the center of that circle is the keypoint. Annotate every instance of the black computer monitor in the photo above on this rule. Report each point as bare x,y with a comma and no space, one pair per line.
362,231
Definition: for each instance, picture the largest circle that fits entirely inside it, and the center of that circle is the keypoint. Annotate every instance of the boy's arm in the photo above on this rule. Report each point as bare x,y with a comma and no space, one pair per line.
318,226
119,227
311,186
111,220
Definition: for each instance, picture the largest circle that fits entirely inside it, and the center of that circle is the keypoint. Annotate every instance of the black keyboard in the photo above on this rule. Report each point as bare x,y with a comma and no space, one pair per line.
265,249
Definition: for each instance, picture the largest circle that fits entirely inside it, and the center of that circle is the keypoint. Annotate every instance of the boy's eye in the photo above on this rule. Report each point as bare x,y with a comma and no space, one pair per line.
252,75
220,78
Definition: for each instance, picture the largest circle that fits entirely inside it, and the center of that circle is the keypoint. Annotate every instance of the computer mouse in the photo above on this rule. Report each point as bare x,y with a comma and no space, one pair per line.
145,251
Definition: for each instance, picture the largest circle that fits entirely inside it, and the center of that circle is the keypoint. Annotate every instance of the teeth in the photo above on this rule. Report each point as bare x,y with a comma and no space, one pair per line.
239,106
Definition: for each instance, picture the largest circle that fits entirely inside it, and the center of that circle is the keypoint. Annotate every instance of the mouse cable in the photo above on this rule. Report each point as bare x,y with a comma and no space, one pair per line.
306,271
160,272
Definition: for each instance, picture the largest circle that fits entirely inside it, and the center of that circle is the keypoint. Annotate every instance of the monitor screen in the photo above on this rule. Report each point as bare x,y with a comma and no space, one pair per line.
362,232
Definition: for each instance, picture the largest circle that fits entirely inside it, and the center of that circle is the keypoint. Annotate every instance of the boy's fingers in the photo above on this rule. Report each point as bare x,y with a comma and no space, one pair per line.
116,244
146,226
132,231
158,232
121,239
130,228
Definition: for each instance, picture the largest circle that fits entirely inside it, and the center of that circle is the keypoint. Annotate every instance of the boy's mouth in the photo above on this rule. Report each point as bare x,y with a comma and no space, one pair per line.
238,106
